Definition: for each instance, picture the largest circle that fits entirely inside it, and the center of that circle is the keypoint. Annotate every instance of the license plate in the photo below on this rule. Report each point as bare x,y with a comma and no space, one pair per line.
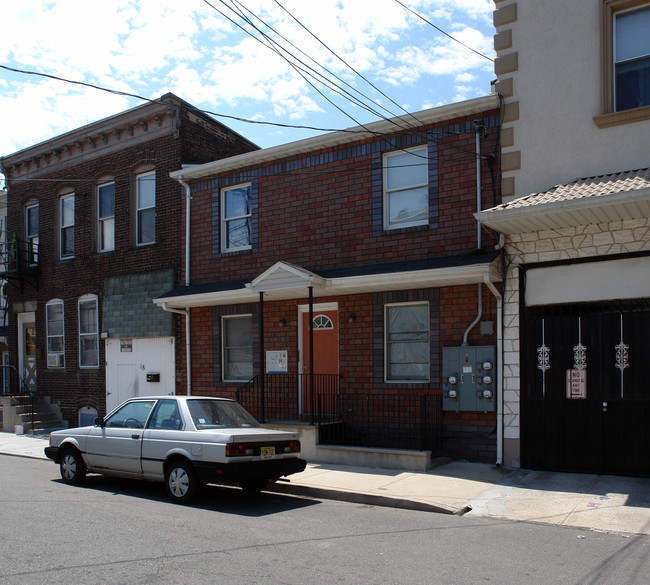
267,452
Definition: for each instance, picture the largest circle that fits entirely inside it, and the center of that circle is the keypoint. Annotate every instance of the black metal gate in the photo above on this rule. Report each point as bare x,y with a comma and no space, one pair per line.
585,388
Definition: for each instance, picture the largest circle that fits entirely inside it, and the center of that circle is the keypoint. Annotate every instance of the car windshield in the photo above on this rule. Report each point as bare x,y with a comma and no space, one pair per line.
219,414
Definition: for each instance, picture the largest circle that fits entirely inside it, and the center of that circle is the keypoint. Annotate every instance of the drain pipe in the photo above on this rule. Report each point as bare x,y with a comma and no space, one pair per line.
188,198
499,356
479,129
185,312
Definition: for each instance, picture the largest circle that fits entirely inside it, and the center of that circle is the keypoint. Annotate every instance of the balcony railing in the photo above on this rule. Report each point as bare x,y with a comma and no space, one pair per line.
18,257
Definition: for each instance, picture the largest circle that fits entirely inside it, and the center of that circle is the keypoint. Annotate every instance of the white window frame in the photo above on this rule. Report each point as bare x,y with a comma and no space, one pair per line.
65,226
225,247
86,335
31,236
55,359
423,156
141,209
225,349
104,220
388,343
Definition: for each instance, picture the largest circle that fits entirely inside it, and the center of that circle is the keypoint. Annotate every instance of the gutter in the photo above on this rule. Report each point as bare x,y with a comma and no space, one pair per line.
188,354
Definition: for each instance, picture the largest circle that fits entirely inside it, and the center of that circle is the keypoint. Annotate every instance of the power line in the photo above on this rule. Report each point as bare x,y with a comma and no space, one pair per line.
442,31
157,101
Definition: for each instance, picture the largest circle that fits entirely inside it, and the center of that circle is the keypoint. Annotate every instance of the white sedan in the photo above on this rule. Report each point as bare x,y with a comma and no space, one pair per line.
185,441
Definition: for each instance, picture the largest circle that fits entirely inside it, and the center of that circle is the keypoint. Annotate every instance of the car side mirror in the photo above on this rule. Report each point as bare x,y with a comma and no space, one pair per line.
99,422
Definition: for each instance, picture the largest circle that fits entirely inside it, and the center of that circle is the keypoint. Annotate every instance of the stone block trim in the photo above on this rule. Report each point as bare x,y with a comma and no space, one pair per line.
586,241
505,14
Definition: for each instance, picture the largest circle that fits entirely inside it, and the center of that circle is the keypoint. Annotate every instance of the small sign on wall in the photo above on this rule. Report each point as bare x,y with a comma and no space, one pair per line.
576,384
277,362
126,345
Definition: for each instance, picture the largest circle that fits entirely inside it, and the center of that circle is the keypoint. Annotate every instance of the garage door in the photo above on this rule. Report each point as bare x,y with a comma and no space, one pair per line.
585,395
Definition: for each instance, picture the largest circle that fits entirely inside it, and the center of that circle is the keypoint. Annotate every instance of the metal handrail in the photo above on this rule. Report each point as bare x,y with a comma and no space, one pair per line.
23,389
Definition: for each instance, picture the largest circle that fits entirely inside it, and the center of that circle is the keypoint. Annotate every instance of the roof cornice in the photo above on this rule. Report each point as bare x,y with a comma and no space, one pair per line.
340,137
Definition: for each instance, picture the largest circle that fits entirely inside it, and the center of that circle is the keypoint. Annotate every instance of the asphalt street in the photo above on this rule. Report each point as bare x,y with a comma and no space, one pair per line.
113,531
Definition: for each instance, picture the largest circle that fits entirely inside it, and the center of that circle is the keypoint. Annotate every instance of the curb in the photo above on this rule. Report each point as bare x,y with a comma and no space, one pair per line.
360,498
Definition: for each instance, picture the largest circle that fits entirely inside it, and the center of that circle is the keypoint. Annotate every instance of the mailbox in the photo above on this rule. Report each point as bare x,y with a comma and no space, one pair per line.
153,377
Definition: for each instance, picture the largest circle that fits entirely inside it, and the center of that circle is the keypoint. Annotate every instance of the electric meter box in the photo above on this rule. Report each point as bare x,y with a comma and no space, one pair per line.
469,378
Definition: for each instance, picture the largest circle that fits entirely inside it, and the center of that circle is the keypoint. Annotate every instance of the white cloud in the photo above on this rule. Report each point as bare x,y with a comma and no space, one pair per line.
149,47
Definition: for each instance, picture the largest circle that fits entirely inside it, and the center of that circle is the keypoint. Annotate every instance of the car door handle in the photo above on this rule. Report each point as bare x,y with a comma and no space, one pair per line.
135,436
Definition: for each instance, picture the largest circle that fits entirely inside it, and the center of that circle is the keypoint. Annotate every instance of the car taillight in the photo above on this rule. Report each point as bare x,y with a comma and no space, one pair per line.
292,447
239,449
242,449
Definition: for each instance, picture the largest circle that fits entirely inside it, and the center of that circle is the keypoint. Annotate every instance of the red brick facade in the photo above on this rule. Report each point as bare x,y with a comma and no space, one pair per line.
159,137
321,211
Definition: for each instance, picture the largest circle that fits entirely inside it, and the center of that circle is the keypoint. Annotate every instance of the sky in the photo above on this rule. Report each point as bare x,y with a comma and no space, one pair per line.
346,62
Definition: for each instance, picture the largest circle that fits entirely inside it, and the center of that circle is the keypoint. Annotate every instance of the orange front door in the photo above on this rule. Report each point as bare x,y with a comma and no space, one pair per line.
326,359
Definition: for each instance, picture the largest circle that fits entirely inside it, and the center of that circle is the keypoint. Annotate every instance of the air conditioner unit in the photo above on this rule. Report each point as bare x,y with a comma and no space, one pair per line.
55,360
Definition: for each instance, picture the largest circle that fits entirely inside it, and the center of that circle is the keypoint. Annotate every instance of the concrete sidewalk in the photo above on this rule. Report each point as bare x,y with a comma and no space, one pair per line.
596,502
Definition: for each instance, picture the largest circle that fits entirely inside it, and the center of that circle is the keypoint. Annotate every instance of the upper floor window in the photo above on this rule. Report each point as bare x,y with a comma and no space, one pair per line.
407,342
88,332
106,217
236,218
66,217
55,334
145,208
31,233
632,58
406,188
237,343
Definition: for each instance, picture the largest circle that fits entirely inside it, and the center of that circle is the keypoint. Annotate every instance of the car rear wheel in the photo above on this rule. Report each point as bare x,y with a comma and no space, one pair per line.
181,481
72,466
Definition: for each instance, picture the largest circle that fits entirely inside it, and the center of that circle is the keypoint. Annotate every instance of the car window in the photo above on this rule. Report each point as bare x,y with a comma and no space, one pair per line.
219,414
133,415
166,416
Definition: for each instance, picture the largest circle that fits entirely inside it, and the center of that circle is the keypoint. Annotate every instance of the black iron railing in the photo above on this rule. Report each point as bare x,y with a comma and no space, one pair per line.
383,421
287,397
18,256
411,421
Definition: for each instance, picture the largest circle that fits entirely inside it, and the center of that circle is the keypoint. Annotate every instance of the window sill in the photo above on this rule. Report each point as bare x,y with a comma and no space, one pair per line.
624,117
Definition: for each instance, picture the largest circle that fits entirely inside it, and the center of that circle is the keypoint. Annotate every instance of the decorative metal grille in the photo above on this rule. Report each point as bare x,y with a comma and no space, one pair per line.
579,351
543,360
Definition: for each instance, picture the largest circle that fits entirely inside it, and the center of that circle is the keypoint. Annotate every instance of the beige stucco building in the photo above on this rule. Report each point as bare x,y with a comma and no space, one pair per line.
574,78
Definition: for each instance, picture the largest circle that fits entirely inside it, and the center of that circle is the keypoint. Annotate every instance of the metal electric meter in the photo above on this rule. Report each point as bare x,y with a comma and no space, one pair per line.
469,378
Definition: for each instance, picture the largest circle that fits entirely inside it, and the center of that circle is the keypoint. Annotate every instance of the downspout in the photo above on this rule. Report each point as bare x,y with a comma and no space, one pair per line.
479,129
185,312
499,355
188,198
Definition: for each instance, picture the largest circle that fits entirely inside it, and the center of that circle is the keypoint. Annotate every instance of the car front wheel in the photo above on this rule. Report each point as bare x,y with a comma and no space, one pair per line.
181,482
72,466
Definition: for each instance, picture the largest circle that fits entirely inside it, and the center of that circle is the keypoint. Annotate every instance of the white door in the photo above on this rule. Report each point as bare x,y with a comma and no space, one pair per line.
130,361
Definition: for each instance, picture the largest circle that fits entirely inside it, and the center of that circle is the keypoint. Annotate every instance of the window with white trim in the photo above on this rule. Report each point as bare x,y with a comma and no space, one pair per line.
66,229
88,332
406,188
145,187
632,58
106,217
236,218
407,342
237,344
31,234
55,334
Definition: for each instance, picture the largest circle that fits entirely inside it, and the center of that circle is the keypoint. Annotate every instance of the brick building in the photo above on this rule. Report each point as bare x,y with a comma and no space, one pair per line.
95,233
344,278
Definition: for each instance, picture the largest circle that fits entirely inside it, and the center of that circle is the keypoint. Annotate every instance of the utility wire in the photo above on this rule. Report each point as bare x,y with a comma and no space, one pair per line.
348,65
157,101
442,31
